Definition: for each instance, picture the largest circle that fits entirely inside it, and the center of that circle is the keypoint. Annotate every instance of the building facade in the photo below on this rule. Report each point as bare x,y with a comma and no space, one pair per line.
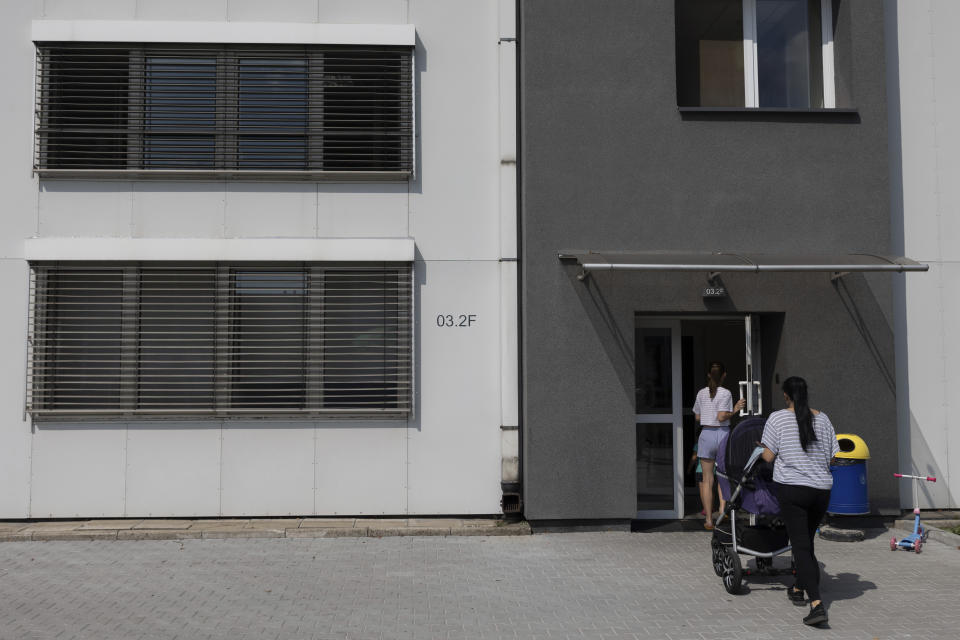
260,258
700,181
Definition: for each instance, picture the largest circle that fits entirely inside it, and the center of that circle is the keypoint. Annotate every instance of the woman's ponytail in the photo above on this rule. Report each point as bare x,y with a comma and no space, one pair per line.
715,377
796,390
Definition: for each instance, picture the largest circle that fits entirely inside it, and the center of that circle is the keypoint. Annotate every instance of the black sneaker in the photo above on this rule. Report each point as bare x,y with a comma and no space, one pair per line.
796,596
817,615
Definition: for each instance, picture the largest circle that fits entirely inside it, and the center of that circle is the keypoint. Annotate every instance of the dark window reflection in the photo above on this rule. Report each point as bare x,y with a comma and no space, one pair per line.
180,112
273,114
789,59
267,359
654,366
710,53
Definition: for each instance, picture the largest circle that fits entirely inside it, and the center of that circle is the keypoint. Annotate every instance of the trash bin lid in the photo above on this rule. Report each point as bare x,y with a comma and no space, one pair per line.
852,447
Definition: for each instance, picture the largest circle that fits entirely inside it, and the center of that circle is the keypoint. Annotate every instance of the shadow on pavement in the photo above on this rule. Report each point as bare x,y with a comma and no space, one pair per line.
844,586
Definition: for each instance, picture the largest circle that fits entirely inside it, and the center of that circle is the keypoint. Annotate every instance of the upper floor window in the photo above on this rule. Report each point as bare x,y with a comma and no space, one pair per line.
755,53
224,110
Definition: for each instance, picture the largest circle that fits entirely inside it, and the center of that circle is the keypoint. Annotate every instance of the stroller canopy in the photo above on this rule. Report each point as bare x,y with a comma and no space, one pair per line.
732,457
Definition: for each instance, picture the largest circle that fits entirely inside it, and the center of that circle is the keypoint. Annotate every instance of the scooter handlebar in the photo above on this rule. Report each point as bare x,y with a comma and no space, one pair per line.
904,475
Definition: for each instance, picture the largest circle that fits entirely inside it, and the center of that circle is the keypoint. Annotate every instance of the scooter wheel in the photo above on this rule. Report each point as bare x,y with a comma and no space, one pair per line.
917,546
893,544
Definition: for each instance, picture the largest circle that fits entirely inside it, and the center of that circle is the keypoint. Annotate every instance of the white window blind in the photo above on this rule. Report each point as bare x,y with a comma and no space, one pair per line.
220,339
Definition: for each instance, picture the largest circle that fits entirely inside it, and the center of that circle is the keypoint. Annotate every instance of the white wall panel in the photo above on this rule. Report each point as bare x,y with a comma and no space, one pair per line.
455,196
178,210
14,427
509,346
508,211
18,215
926,361
78,470
267,468
361,468
929,98
508,101
271,210
173,469
508,18
918,126
951,375
285,11
455,442
88,9
182,9
362,210
362,11
92,209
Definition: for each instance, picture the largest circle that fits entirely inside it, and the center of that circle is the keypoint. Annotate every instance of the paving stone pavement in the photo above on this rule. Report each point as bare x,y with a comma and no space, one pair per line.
573,585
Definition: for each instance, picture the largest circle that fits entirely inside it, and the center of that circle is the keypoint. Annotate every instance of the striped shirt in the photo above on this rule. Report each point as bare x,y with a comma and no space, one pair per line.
810,468
707,407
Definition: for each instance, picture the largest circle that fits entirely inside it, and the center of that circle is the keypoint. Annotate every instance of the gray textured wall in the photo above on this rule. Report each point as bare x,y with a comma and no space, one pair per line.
609,163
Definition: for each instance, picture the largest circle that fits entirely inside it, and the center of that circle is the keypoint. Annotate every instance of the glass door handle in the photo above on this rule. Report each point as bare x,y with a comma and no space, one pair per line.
745,394
759,411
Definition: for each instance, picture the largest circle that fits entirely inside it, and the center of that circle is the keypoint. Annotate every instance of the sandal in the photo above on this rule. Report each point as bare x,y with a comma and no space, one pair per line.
708,526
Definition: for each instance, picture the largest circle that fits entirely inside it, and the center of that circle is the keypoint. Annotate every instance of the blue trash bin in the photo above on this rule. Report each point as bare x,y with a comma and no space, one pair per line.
849,494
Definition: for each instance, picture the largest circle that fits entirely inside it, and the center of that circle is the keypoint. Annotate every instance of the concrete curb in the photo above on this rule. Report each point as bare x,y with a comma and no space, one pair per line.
934,533
221,530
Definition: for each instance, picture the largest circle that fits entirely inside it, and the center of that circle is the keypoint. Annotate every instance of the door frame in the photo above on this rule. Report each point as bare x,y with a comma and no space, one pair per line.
673,323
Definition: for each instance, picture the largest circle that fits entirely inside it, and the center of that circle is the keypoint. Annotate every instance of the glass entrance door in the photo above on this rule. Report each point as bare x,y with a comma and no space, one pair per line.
659,419
671,356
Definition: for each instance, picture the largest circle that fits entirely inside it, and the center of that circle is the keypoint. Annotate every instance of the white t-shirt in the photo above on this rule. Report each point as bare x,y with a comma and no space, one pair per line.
707,407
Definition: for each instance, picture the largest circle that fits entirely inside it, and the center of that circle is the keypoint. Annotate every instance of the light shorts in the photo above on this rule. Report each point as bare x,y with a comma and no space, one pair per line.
709,441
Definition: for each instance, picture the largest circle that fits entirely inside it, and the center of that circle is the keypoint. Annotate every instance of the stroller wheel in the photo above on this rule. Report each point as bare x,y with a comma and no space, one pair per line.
893,544
716,555
732,572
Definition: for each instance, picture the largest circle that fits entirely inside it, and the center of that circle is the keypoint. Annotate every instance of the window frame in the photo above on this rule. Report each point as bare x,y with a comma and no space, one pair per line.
396,146
137,304
751,75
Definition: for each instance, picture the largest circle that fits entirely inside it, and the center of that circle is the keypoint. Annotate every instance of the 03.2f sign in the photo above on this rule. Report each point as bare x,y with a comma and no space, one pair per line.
715,291
456,320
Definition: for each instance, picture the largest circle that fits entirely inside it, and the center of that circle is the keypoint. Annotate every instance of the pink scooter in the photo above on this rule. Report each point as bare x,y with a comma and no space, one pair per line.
913,542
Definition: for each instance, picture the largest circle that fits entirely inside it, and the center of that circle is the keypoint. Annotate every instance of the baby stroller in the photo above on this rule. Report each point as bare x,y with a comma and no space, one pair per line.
750,524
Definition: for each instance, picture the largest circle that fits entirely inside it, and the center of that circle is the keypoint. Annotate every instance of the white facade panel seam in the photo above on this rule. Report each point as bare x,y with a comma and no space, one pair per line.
221,32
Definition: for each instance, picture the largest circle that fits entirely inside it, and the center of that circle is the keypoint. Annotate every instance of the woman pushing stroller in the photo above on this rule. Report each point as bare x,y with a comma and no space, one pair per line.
802,442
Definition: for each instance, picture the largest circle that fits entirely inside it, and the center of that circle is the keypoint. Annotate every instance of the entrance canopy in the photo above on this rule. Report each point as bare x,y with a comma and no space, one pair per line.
723,261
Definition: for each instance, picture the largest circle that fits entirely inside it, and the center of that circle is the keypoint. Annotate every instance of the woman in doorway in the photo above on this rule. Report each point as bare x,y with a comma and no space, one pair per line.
803,442
713,409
